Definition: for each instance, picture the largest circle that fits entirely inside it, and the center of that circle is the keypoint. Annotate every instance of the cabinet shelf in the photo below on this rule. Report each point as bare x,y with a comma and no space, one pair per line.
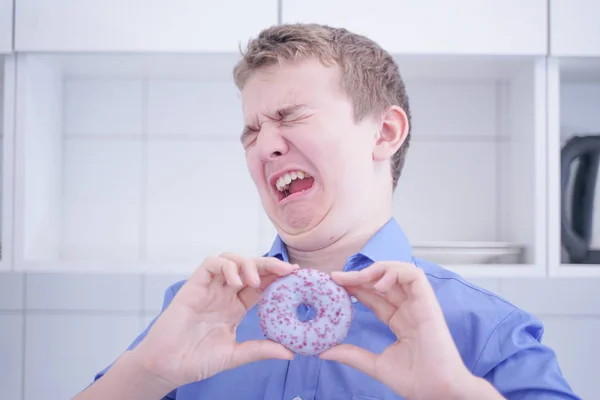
127,163
6,26
573,104
7,95
119,151
131,162
472,195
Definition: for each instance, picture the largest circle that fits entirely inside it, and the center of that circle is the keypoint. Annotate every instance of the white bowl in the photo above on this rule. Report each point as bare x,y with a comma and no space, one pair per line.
465,253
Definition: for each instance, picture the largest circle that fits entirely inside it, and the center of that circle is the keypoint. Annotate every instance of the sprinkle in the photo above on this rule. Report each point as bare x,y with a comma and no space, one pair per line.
279,320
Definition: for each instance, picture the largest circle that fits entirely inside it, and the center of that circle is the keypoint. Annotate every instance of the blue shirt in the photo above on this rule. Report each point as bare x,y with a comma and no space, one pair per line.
496,340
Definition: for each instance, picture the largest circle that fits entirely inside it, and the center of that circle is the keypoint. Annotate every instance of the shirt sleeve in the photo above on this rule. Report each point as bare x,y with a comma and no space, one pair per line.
168,297
518,365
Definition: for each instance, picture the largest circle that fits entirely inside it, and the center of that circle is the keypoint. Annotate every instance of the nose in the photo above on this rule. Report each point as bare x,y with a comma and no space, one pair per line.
271,144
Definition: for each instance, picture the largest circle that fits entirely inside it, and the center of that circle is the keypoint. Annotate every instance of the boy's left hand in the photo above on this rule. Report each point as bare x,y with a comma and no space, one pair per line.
424,362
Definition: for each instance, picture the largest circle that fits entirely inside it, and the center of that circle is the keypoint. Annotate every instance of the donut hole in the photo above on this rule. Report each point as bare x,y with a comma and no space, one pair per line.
305,312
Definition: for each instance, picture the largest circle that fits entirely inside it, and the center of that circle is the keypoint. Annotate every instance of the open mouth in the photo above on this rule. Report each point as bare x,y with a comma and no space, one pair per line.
293,183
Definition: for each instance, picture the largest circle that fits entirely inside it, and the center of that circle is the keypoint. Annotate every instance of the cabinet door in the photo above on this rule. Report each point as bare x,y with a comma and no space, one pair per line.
434,26
575,27
6,26
140,25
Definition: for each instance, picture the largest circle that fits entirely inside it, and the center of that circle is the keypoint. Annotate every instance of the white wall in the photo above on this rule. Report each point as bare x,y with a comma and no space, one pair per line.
146,150
132,157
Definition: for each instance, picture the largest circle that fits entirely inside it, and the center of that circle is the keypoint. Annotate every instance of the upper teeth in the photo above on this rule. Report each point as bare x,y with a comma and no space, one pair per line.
284,181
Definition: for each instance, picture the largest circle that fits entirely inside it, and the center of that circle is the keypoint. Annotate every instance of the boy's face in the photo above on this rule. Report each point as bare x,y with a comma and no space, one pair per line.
310,161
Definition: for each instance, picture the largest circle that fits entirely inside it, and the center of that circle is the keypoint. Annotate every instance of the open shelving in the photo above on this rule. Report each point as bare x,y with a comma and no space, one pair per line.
573,110
129,163
472,196
7,93
137,161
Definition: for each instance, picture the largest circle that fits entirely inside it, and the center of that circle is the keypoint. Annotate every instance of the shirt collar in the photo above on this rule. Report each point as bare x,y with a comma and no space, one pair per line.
388,244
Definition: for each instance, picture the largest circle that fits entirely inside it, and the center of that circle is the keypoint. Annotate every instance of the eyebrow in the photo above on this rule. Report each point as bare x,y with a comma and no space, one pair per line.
281,112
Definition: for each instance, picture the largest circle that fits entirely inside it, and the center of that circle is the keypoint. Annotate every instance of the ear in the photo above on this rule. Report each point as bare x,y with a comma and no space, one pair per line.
392,133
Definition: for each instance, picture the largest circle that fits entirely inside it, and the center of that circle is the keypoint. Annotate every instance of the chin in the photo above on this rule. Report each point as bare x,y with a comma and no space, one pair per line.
306,223
309,231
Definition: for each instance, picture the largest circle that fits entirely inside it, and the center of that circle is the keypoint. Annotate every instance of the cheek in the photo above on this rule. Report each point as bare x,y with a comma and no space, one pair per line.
254,168
318,142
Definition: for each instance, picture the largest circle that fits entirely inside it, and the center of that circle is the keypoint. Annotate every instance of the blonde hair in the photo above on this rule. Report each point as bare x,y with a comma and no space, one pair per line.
369,75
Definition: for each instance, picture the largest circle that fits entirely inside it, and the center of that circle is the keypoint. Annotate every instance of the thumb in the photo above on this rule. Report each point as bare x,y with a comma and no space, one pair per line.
258,350
353,356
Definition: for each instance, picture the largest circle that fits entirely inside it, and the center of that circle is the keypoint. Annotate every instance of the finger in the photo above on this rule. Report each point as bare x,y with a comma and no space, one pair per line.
273,265
364,276
405,273
389,279
266,281
202,275
250,273
388,286
263,265
226,268
396,295
220,267
249,296
382,308
353,356
270,270
258,350
231,270
247,268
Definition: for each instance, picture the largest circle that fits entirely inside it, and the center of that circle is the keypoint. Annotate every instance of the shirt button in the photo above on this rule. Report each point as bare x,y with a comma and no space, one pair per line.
352,299
297,398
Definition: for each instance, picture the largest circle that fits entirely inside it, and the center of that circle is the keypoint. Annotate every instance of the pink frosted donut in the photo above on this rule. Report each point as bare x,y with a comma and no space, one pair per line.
332,307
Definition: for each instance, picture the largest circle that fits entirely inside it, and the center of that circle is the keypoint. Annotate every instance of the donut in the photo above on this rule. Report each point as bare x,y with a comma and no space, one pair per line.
305,287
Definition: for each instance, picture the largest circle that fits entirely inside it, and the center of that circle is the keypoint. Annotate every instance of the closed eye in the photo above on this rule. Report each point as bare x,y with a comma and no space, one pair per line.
291,113
286,116
248,134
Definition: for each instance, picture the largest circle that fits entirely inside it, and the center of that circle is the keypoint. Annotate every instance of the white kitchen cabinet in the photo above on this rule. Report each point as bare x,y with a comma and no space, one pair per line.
7,96
129,163
575,28
573,104
513,27
472,196
132,163
140,25
6,26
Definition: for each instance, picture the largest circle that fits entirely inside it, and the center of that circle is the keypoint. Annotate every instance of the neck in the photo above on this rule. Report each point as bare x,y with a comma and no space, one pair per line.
334,256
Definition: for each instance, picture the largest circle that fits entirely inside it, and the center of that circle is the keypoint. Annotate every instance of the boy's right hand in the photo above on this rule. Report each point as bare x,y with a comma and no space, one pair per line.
195,337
